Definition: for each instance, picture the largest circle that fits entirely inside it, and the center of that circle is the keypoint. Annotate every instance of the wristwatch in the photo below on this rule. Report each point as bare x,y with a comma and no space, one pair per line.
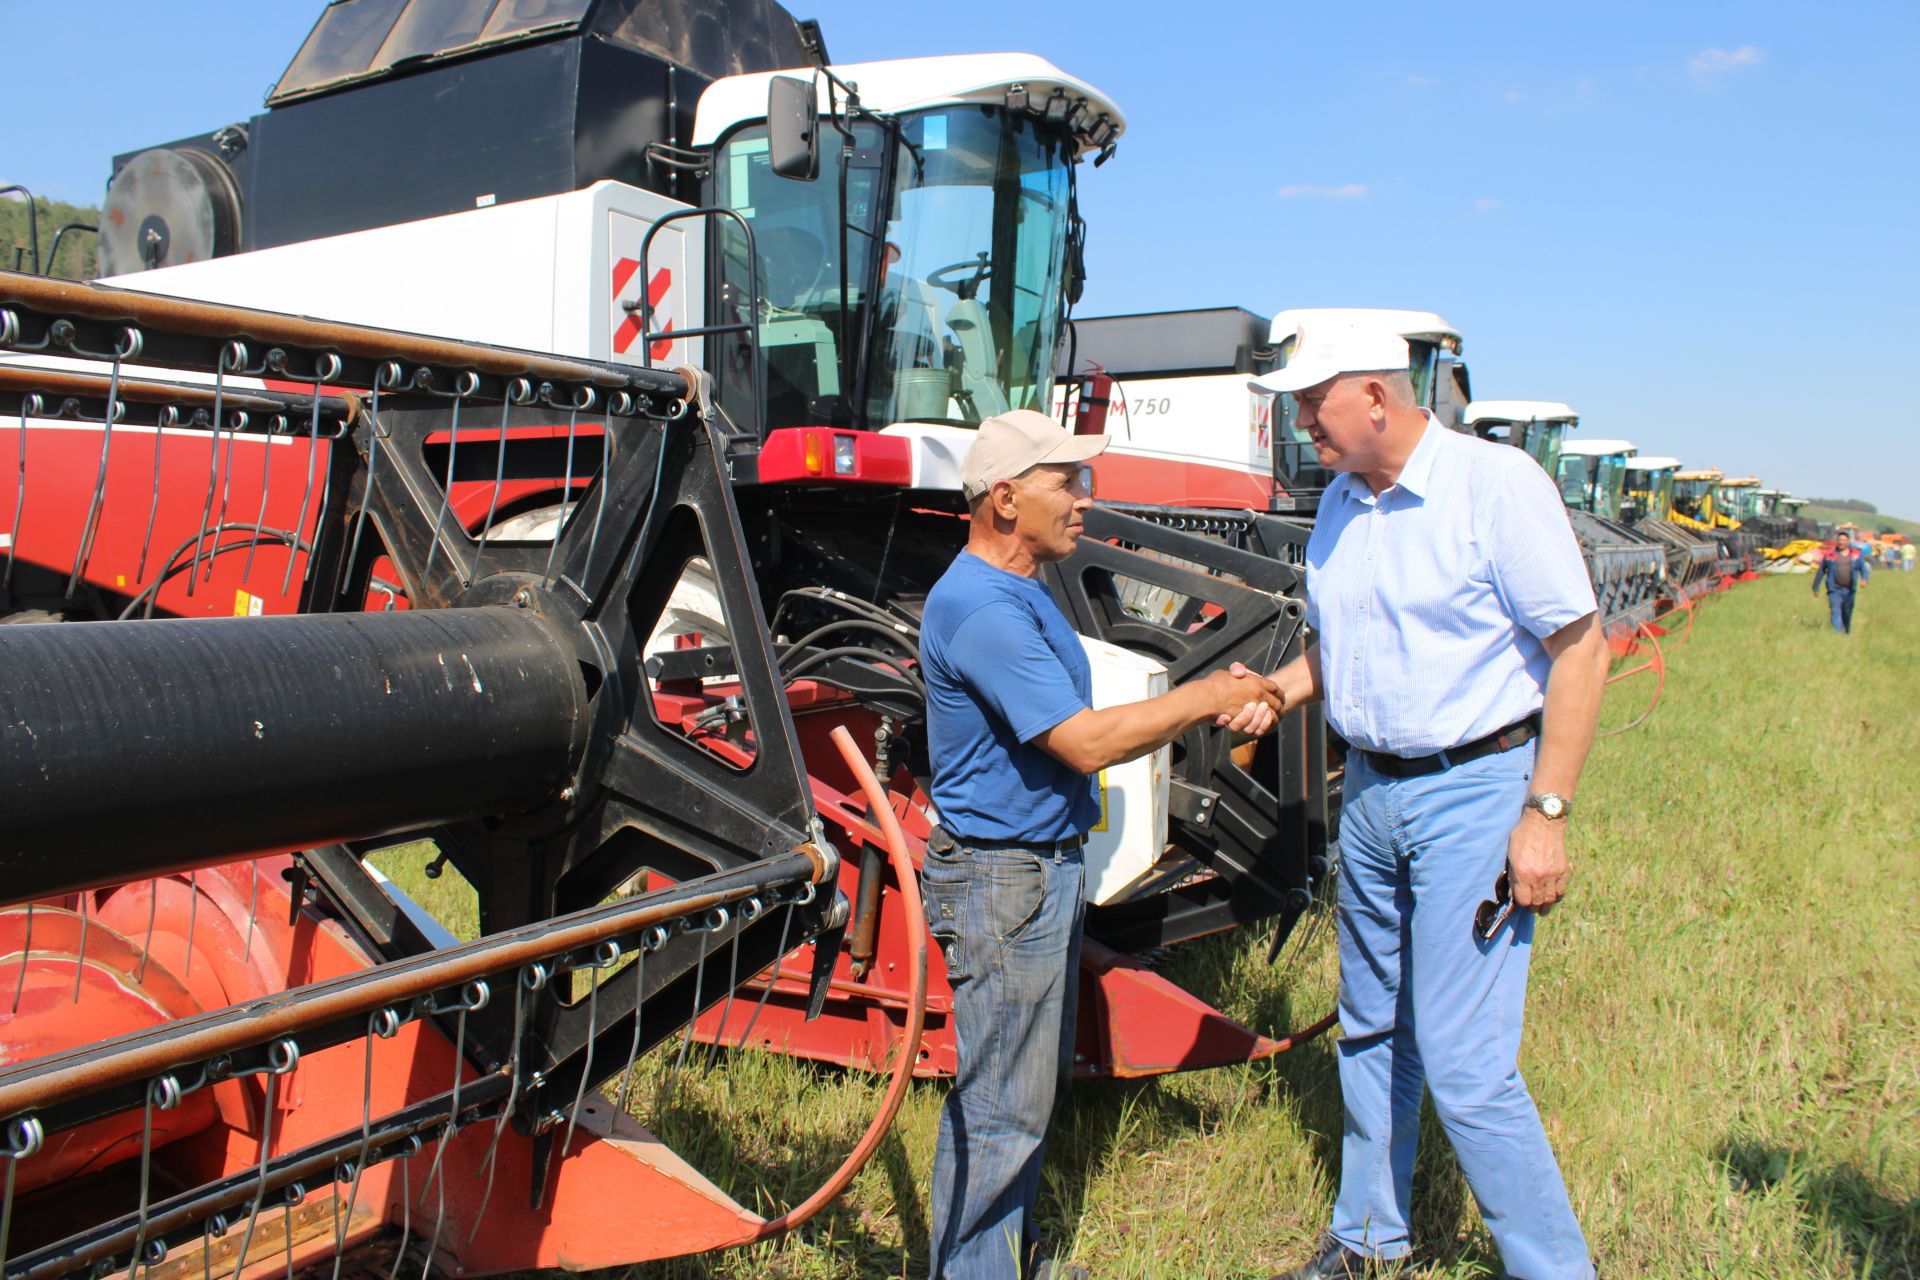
1552,807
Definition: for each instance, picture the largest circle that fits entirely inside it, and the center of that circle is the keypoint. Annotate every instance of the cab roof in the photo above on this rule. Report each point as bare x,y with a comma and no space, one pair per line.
1651,462
1596,448
1424,325
914,84
1521,411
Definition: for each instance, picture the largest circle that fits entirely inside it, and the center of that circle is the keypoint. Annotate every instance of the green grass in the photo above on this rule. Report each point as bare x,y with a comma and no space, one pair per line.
1721,1030
1874,522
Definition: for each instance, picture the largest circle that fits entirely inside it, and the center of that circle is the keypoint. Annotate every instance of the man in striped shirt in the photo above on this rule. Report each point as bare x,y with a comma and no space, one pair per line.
1460,656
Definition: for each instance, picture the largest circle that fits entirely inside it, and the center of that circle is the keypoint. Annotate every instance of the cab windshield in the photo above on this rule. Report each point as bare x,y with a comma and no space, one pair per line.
1542,442
932,292
1573,477
1609,485
1691,498
1651,493
973,271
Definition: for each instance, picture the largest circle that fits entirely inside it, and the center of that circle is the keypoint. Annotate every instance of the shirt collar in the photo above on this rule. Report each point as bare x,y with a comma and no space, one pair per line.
1417,476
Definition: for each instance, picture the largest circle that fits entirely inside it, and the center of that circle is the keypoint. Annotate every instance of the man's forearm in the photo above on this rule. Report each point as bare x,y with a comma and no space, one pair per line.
1091,740
1299,680
1575,685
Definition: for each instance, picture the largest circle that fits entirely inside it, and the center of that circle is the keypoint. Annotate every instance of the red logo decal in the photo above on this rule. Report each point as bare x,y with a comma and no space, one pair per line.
629,329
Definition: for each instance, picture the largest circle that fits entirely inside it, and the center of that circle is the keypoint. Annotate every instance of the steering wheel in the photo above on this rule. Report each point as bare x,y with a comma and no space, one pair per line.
948,277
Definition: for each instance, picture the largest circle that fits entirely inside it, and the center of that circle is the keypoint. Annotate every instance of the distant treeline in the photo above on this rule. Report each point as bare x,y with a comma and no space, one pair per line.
78,259
1848,504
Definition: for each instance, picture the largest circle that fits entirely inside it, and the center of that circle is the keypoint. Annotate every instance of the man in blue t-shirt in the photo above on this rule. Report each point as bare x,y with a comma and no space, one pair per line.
1015,744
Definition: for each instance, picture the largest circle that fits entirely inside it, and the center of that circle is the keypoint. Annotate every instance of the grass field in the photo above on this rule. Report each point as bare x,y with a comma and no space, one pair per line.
1722,1028
1909,527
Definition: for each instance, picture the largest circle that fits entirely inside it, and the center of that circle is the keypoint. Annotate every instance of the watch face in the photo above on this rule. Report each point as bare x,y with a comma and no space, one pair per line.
1551,806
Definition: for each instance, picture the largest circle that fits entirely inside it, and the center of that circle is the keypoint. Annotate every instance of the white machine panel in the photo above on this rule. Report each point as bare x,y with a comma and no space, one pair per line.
1126,848
547,274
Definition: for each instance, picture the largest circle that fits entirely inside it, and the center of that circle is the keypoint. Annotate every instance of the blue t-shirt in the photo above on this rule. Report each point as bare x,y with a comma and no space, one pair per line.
1002,666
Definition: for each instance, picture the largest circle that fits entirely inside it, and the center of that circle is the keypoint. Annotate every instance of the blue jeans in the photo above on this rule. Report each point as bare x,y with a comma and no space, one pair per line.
1425,1004
1009,924
1840,605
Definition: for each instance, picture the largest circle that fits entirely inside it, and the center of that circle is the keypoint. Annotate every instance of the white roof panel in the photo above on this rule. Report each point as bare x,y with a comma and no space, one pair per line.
1596,448
905,84
1651,462
1520,411
1408,324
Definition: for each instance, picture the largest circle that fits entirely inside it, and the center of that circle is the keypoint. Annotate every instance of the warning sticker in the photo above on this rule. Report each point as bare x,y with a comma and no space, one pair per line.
248,605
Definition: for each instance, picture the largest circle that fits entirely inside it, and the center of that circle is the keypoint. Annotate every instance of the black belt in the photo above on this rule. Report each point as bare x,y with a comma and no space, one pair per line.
940,840
1517,734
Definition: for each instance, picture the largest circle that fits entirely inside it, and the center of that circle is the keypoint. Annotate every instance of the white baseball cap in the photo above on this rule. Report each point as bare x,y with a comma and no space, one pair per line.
1325,348
1011,444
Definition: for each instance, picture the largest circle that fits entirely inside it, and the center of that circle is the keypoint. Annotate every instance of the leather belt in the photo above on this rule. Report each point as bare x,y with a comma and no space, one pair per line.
941,840
1517,734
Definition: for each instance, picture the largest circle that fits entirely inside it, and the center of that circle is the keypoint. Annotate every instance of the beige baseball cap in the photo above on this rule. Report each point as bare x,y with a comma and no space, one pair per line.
1011,444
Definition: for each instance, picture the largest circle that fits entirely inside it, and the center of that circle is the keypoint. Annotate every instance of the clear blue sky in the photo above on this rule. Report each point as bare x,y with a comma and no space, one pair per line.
1698,223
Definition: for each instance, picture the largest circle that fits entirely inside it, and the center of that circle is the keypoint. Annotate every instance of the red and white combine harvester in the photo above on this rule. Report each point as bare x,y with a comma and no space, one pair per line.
1171,389
536,433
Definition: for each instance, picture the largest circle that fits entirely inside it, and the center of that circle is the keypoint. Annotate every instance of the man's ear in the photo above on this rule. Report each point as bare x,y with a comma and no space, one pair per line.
1378,400
1001,496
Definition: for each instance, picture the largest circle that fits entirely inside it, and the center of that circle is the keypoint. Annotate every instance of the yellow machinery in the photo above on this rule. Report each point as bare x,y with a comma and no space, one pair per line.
1696,499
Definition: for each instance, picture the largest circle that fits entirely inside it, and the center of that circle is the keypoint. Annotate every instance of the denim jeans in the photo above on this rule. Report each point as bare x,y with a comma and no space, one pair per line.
1425,1005
1840,605
1009,924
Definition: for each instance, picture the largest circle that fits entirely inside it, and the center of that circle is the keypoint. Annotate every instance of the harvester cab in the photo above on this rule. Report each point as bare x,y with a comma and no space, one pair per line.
1593,473
1626,569
1440,384
1648,507
1738,499
916,238
1538,426
1649,488
1696,501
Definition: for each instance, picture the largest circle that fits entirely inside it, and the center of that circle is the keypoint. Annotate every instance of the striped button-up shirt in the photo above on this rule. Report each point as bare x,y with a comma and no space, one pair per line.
1431,598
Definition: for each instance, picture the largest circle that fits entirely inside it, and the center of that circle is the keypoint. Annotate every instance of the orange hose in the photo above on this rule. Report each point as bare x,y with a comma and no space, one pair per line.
909,883
1658,665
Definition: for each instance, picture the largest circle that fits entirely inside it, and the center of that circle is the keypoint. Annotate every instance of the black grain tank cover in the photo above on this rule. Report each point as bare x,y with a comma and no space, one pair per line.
1172,344
396,110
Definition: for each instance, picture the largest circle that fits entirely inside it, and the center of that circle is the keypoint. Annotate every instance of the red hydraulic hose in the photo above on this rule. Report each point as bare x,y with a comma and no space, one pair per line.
909,883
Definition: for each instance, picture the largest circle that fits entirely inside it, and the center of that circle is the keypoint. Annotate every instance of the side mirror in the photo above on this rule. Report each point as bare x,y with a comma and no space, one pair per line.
793,124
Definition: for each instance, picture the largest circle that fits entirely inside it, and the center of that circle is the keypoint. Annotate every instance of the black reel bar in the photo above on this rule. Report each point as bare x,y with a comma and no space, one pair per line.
551,786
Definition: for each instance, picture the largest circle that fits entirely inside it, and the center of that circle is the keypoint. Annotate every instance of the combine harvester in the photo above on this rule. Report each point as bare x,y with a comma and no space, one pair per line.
1171,389
1701,503
1592,479
612,594
1648,507
1627,569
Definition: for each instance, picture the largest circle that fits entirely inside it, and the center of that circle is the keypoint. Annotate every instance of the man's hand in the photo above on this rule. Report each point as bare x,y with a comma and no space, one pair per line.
1537,861
1249,703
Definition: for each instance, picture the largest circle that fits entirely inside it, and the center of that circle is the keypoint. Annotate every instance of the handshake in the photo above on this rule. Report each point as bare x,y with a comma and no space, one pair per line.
1244,701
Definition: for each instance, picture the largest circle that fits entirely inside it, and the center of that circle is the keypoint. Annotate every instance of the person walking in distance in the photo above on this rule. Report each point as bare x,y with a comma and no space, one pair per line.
1014,742
1845,571
1459,653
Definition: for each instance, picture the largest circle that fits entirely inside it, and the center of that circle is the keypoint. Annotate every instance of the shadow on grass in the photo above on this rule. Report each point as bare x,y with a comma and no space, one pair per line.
1880,1236
1446,1230
781,1169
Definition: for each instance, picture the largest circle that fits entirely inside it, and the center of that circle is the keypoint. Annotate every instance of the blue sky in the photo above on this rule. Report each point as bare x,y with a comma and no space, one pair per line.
1698,223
